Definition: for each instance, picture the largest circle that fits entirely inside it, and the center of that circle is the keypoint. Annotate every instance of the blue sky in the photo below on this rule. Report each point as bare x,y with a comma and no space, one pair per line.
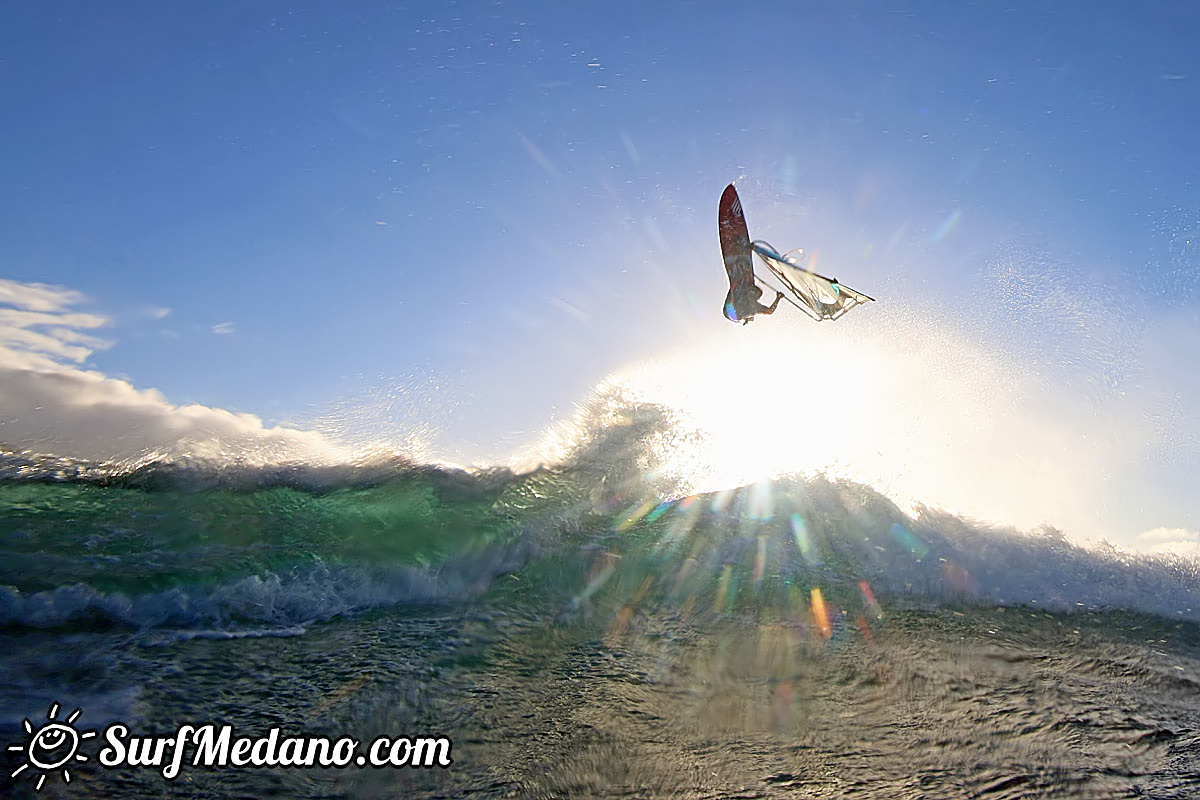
490,207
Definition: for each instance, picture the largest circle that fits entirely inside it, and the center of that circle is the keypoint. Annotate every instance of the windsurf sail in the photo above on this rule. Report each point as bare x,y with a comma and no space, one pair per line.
820,297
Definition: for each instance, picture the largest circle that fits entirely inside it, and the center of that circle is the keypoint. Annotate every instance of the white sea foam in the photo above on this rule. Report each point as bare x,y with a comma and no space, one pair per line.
261,604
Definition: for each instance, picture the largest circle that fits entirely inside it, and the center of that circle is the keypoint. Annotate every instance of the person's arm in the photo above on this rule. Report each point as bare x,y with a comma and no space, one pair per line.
771,309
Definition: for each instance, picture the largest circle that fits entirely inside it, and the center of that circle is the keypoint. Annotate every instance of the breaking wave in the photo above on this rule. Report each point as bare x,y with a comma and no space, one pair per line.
225,549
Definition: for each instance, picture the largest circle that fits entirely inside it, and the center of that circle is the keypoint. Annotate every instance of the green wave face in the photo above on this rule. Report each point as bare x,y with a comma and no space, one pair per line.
138,540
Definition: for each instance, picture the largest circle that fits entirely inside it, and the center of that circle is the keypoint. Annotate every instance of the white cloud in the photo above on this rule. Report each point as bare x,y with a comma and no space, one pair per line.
1178,541
81,414
223,328
53,406
37,296
37,331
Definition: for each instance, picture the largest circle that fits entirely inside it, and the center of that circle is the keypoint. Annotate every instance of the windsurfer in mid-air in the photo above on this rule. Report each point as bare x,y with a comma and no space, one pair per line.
819,297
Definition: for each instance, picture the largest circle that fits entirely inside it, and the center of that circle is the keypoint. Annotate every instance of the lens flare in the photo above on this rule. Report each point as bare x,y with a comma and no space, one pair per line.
821,613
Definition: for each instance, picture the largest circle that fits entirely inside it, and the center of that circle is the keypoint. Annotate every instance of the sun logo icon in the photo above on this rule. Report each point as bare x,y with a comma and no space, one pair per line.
52,746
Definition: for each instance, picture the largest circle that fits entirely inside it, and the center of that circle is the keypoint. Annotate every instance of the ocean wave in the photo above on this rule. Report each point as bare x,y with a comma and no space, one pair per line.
261,604
757,545
450,532
158,472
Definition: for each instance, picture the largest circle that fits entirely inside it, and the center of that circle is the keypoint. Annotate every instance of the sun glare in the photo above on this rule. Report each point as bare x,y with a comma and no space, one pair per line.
922,416
766,408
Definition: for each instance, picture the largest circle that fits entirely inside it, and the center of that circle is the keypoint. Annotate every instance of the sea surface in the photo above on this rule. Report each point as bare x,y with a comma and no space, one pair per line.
582,629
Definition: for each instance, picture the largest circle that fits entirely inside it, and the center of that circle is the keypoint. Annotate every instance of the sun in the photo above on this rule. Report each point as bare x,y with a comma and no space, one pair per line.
765,408
51,747
920,411
917,411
